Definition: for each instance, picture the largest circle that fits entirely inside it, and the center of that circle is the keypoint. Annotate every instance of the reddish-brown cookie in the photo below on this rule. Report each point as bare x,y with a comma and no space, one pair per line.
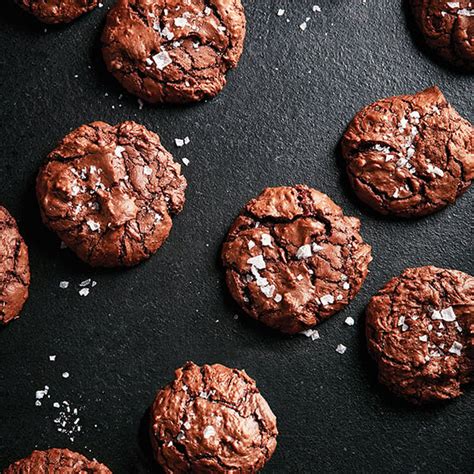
57,11
212,419
409,155
173,51
420,331
293,259
56,461
14,269
448,29
109,192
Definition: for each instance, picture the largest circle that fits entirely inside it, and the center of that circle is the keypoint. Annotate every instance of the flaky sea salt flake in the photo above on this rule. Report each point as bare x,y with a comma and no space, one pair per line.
208,432
258,262
311,333
448,314
118,151
162,60
456,348
327,299
341,348
304,252
94,226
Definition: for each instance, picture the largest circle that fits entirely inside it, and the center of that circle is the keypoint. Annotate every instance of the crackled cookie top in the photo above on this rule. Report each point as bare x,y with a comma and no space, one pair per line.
409,155
173,50
212,419
14,269
292,258
448,29
56,461
420,331
109,193
57,11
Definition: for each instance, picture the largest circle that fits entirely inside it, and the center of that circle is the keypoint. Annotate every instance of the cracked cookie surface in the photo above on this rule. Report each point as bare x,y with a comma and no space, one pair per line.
409,155
448,29
109,192
56,461
212,419
420,331
173,51
57,11
14,269
292,259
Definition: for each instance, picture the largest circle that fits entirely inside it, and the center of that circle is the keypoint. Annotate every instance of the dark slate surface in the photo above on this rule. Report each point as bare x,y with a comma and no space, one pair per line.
277,122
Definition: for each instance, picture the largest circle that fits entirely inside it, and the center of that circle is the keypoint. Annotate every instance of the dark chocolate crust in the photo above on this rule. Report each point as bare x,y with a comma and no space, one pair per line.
212,419
409,155
420,331
57,11
448,29
14,269
109,192
292,258
173,51
56,461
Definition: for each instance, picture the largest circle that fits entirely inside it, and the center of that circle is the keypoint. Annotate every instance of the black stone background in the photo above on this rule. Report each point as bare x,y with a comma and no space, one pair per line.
277,122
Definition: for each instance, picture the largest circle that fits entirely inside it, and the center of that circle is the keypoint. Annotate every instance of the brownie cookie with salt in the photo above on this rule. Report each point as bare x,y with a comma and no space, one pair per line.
409,155
448,29
173,51
212,419
57,11
14,269
109,192
293,259
420,331
56,460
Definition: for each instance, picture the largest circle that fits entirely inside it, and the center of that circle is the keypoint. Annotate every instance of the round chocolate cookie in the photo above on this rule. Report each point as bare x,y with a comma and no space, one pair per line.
409,155
293,259
212,419
420,331
173,51
109,193
448,29
14,269
57,11
55,460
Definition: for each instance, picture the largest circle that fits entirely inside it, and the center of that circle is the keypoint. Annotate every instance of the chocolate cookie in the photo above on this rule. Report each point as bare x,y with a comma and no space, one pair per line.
56,461
212,419
109,193
420,331
448,29
409,155
293,259
14,269
57,11
173,51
